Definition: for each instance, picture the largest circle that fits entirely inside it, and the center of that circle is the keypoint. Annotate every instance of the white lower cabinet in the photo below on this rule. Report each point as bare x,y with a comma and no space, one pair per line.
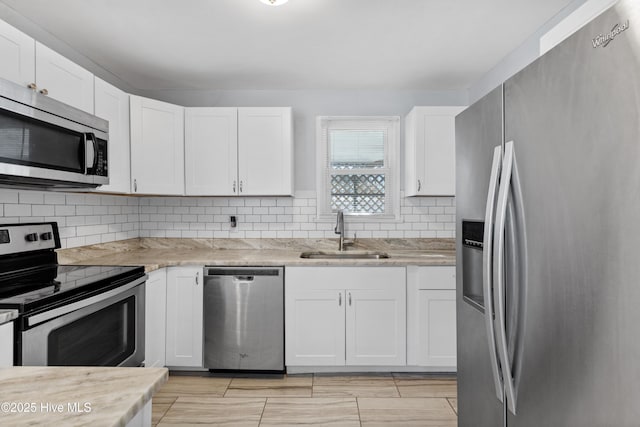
184,316
338,316
155,318
6,345
431,317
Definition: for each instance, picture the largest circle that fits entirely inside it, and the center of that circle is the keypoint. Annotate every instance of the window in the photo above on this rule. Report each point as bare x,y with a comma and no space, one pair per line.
358,167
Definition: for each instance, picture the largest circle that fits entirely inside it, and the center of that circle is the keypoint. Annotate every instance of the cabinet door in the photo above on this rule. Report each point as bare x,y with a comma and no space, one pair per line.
184,316
63,79
6,345
376,327
437,328
418,278
17,51
157,147
265,151
437,172
314,333
430,151
155,318
211,151
112,104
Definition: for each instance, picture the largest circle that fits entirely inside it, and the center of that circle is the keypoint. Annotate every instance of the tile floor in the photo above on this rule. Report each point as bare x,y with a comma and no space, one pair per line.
309,400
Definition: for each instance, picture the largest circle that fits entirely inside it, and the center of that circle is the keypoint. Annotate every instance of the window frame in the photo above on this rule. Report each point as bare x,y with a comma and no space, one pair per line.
390,124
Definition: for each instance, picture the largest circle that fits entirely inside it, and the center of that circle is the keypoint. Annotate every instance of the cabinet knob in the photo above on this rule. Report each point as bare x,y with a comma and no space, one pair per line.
44,92
419,185
32,86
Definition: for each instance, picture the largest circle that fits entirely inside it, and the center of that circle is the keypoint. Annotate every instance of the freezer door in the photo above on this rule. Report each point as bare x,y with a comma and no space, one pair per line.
478,132
574,116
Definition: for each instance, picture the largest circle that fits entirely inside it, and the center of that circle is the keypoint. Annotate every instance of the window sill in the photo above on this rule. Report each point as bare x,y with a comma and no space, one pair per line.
359,218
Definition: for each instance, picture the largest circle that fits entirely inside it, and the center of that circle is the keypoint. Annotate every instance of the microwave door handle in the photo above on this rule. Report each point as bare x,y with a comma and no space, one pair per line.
91,157
487,279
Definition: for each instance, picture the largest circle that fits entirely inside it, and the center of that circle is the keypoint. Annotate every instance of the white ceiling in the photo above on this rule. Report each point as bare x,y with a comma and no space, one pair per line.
304,44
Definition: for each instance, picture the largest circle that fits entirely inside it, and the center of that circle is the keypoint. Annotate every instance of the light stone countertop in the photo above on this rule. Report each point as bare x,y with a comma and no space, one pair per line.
7,315
114,395
155,253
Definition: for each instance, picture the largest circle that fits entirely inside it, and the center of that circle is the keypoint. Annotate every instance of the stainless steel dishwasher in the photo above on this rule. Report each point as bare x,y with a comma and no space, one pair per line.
244,318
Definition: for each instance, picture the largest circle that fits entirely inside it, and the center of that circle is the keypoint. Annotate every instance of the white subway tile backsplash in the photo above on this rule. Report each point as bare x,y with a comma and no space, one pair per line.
54,199
42,210
64,210
18,210
96,218
30,198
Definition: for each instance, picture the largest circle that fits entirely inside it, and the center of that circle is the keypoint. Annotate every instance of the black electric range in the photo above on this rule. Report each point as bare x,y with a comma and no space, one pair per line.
60,306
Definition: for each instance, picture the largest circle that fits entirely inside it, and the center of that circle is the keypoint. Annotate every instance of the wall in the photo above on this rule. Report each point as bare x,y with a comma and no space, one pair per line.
285,217
525,54
308,104
84,219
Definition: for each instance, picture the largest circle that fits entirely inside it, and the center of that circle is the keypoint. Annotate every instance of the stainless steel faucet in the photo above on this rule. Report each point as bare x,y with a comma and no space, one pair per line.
340,230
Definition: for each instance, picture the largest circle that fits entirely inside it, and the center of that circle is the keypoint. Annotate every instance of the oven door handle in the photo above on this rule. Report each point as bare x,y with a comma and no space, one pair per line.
66,309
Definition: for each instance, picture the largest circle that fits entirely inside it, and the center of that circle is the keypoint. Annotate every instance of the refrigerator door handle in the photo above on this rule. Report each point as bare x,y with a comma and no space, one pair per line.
487,280
498,272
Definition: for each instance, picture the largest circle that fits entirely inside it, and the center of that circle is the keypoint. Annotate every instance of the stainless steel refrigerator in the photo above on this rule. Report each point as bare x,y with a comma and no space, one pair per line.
548,224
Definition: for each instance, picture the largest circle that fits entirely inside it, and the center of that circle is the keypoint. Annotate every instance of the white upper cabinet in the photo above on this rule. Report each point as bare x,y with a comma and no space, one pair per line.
157,147
211,151
238,151
17,51
112,104
265,151
430,156
62,79
32,64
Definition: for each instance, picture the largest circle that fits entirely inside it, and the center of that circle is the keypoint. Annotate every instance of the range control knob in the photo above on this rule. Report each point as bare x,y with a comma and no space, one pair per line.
46,236
31,237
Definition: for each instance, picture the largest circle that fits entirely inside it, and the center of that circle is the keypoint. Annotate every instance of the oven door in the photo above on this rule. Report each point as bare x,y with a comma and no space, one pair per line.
103,330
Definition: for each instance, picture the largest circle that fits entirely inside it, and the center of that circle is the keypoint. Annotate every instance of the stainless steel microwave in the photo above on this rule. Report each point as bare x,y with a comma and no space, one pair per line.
46,143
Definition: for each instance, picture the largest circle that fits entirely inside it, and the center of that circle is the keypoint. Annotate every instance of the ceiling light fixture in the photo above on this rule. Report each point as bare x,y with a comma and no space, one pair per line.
274,2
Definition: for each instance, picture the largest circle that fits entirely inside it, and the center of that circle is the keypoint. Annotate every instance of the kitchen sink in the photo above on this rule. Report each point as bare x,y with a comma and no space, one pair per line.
344,255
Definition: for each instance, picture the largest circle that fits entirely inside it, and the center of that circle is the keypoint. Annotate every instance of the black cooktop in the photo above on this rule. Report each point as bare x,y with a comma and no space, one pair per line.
46,285
31,279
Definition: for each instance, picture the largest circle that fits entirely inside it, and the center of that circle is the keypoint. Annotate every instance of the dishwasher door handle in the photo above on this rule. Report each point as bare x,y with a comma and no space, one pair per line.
243,278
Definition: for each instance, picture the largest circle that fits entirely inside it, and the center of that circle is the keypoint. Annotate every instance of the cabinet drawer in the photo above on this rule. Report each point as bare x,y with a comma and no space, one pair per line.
432,277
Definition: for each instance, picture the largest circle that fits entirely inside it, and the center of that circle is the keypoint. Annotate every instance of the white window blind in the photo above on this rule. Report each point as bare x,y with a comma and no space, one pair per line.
357,167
